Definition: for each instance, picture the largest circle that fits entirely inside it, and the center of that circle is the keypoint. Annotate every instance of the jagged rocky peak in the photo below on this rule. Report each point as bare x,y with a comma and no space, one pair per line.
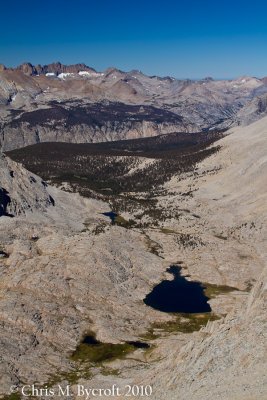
58,68
112,71
27,68
20,190
55,68
136,73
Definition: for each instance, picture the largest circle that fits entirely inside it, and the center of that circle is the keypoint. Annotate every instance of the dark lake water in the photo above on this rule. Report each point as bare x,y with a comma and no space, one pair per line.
178,295
111,215
139,345
3,254
91,340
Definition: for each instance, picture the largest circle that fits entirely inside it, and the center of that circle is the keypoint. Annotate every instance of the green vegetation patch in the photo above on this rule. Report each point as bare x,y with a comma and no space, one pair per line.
212,291
184,239
120,221
152,246
92,350
185,323
102,352
168,231
221,237
13,396
72,377
110,371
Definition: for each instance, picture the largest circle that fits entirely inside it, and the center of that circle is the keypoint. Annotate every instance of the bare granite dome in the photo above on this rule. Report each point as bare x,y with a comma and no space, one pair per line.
21,191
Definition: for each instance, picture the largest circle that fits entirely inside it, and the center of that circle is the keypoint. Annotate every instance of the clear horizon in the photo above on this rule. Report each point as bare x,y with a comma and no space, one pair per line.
223,40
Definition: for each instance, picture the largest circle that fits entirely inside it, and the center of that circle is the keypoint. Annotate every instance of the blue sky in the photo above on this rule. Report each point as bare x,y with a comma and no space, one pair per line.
194,39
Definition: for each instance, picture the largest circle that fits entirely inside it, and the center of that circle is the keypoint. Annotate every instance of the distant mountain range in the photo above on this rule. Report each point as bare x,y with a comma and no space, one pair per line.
56,68
75,103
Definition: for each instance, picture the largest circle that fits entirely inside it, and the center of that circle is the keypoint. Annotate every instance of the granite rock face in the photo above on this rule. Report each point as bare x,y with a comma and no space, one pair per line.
21,191
90,123
253,111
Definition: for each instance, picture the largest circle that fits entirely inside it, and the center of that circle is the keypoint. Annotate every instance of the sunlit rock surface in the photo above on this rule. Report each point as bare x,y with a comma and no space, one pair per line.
61,278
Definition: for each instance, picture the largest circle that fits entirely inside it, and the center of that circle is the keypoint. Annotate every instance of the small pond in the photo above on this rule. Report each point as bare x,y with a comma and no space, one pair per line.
111,215
178,295
90,339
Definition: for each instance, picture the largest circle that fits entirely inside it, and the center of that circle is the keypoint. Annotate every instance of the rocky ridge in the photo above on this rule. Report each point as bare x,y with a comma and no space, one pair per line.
89,123
21,191
202,104
54,68
253,111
